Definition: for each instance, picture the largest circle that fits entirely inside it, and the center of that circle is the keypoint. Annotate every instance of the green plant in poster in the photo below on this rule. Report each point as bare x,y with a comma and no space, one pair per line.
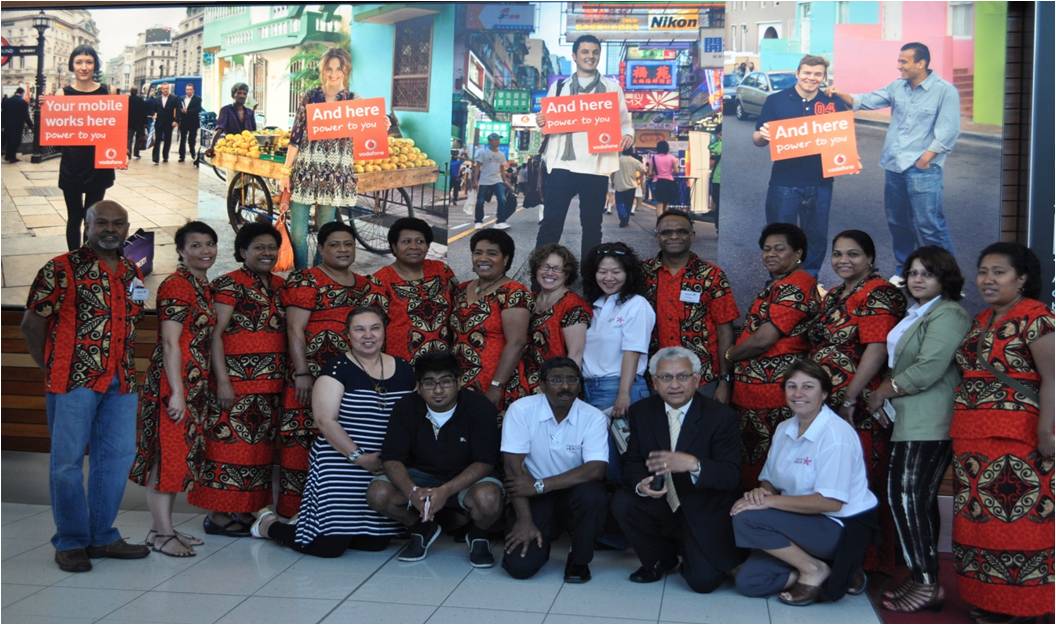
304,65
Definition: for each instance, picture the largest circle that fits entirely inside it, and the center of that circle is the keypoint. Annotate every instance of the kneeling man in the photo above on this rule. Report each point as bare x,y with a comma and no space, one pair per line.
440,450
556,449
693,444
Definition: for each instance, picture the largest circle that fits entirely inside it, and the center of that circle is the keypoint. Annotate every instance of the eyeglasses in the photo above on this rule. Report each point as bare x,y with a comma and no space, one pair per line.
678,232
445,382
558,380
667,378
913,273
551,269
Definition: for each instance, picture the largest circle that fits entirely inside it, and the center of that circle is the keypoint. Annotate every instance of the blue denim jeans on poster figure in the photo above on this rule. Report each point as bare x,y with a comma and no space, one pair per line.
601,393
624,204
105,423
299,219
913,202
484,194
808,208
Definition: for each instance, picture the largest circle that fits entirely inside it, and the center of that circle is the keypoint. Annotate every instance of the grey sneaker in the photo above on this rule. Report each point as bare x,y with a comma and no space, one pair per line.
480,552
423,536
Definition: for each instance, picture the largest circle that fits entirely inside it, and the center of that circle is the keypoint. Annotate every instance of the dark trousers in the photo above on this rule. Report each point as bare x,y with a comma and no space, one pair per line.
659,535
763,574
162,133
137,138
563,185
484,194
913,479
12,139
186,133
580,509
325,546
77,203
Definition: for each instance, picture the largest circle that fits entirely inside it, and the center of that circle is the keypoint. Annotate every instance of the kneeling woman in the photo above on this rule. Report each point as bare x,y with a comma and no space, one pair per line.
351,400
813,490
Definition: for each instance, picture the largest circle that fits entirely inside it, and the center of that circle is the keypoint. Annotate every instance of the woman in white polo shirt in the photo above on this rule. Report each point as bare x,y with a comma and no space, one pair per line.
812,485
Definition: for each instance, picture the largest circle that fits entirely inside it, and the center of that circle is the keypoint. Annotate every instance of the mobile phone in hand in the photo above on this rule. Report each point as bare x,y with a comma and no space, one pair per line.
657,483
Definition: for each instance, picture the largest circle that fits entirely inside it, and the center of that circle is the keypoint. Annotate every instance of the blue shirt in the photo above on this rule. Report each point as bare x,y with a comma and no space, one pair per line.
924,118
804,171
456,166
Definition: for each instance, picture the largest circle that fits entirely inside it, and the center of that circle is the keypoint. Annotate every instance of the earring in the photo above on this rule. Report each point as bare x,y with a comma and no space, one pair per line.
799,261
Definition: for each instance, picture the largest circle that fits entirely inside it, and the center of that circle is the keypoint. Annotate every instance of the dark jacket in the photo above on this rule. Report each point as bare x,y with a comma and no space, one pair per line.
16,114
189,118
168,113
137,111
711,432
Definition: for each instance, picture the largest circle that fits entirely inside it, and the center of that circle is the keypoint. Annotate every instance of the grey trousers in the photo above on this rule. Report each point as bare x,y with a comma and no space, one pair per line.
762,574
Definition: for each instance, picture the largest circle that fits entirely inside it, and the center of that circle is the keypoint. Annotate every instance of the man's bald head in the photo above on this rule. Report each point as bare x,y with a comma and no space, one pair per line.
106,225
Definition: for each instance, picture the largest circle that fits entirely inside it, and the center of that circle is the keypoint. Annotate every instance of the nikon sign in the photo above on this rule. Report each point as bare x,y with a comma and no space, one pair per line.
674,21
629,25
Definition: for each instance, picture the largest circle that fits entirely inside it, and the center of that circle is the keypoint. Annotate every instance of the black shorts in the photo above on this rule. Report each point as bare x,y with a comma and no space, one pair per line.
666,191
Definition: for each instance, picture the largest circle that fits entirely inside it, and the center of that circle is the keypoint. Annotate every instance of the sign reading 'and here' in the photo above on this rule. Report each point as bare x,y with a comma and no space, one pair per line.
597,114
831,136
363,121
96,120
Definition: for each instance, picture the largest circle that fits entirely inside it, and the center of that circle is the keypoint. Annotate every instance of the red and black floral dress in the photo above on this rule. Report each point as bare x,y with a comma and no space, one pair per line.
545,338
790,303
846,325
1003,507
478,337
177,448
235,475
418,310
325,336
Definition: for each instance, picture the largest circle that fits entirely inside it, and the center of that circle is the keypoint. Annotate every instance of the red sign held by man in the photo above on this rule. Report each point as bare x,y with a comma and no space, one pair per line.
364,121
831,136
597,114
96,120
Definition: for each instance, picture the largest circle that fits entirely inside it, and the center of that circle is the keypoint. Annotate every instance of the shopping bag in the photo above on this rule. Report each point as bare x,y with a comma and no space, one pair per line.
285,260
139,248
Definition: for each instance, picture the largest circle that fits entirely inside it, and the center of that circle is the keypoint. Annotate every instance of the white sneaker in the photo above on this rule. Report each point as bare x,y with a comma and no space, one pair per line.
263,513
897,280
502,225
479,225
608,210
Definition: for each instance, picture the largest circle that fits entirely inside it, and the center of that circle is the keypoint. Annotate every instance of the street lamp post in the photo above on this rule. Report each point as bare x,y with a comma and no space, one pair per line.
40,22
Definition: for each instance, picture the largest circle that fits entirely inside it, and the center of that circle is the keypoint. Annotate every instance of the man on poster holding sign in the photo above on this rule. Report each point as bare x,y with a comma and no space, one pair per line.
799,193
573,168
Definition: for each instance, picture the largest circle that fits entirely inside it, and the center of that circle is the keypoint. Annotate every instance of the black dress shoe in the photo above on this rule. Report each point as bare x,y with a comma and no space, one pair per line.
647,574
576,573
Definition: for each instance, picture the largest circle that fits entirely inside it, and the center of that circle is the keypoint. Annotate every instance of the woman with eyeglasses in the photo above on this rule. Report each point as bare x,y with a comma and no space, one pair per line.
848,338
1002,435
773,338
489,321
559,316
917,396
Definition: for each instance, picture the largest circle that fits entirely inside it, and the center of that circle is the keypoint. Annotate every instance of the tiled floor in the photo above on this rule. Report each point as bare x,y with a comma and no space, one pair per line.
246,580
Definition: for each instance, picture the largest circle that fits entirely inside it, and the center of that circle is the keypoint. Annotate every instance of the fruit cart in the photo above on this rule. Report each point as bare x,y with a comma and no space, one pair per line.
384,189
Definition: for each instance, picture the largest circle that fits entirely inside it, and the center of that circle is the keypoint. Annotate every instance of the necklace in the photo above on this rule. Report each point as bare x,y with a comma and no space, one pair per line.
379,386
482,290
333,277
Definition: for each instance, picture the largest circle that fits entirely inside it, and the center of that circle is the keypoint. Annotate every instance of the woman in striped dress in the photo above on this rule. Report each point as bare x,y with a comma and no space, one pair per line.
351,402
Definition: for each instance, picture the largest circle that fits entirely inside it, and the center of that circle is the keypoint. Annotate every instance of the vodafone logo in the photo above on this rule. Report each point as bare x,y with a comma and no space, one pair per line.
840,159
370,144
111,153
604,137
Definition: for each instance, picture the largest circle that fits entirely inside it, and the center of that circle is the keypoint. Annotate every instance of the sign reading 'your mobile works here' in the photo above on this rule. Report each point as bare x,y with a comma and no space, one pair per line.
831,136
100,121
597,114
363,121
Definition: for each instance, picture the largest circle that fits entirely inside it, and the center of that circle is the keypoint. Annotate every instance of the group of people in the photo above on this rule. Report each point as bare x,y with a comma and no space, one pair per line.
165,113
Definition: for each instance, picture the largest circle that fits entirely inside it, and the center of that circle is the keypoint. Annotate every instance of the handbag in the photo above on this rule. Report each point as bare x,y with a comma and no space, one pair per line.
139,248
284,261
1006,379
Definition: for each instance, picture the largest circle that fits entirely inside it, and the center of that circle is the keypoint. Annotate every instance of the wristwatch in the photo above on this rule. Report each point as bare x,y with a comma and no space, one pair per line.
354,455
496,384
539,487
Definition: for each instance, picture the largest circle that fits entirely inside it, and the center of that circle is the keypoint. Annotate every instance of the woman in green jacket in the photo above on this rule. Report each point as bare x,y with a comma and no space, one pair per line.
918,397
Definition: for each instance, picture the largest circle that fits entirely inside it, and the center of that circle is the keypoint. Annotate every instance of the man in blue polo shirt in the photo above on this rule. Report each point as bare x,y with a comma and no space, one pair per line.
798,193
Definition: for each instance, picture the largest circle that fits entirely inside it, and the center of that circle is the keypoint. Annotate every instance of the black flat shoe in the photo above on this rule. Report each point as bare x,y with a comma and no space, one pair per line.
233,528
577,573
651,573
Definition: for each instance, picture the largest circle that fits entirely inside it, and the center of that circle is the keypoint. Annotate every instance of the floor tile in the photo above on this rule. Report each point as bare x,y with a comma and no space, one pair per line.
724,605
11,547
326,578
473,615
571,618
10,512
243,567
83,603
279,610
172,607
428,582
850,609
494,589
36,566
369,612
17,592
39,526
143,574
609,593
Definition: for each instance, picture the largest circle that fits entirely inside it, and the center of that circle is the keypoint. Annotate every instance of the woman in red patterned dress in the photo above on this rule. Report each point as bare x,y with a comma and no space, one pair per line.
416,293
489,321
176,395
559,316
773,338
249,368
849,339
1002,435
318,301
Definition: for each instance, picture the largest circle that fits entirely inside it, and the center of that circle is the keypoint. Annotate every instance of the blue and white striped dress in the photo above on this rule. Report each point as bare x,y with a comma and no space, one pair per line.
335,495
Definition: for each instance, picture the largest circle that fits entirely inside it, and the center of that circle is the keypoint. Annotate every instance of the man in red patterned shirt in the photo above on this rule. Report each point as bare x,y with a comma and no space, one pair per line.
693,301
79,327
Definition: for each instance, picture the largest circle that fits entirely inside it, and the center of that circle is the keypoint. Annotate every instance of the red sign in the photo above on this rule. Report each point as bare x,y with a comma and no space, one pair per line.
363,121
7,57
597,114
651,100
96,120
831,136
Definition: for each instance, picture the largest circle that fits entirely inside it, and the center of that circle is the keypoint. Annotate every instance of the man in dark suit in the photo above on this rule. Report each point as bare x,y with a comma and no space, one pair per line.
190,108
167,109
15,118
688,515
137,123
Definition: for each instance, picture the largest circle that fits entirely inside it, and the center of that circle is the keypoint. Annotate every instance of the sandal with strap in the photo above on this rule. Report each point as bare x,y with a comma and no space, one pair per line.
234,528
800,595
916,598
187,539
168,539
899,590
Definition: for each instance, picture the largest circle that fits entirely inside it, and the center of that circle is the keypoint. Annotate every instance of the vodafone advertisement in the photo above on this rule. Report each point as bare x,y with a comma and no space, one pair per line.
363,121
597,114
831,136
93,120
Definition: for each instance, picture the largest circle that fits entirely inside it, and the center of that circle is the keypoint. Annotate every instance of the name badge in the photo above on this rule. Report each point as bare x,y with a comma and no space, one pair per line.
689,297
138,291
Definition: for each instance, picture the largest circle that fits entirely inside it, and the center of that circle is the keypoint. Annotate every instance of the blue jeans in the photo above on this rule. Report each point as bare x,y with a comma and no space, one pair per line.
913,202
808,208
106,424
299,216
624,204
484,194
601,393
